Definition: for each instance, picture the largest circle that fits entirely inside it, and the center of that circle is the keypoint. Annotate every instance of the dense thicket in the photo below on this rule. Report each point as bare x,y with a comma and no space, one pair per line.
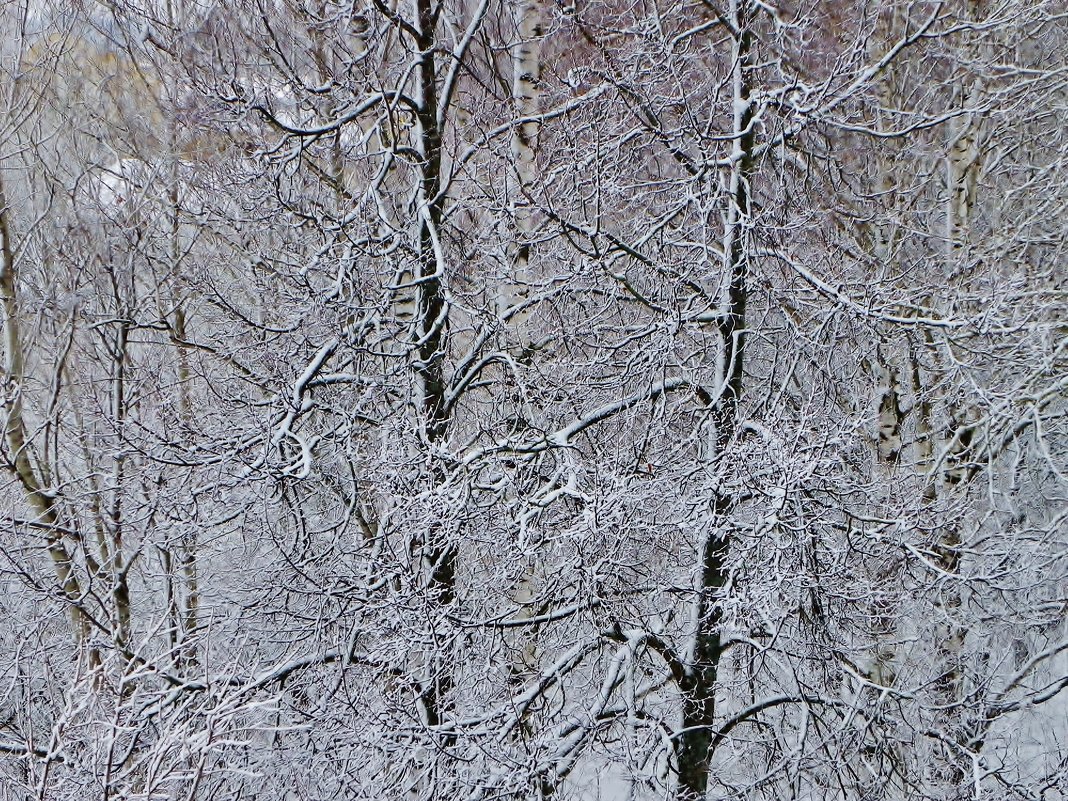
512,399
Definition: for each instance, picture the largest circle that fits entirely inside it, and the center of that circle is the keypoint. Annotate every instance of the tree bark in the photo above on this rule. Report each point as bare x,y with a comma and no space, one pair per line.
701,675
432,328
18,459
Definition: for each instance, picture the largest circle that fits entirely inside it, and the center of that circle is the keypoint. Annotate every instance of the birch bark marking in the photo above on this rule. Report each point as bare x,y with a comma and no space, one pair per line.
889,419
923,446
888,371
700,677
18,460
883,246
888,456
120,588
526,74
963,163
526,91
964,159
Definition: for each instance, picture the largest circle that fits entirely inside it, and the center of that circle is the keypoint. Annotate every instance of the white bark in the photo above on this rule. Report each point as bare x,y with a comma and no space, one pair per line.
526,92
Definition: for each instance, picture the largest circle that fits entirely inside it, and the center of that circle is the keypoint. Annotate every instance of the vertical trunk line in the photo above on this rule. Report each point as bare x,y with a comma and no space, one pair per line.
432,327
120,588
698,686
185,624
891,376
187,554
963,164
923,458
431,309
963,160
18,459
889,443
526,89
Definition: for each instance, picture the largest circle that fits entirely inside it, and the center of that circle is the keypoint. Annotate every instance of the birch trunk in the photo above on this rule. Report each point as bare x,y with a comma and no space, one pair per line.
526,76
18,459
185,624
188,548
963,165
891,376
120,588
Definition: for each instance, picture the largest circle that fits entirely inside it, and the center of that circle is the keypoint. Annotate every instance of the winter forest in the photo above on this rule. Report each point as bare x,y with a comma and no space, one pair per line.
586,400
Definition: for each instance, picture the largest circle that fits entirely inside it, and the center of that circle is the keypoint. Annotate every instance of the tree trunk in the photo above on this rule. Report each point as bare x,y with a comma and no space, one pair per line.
18,459
526,76
432,328
701,674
